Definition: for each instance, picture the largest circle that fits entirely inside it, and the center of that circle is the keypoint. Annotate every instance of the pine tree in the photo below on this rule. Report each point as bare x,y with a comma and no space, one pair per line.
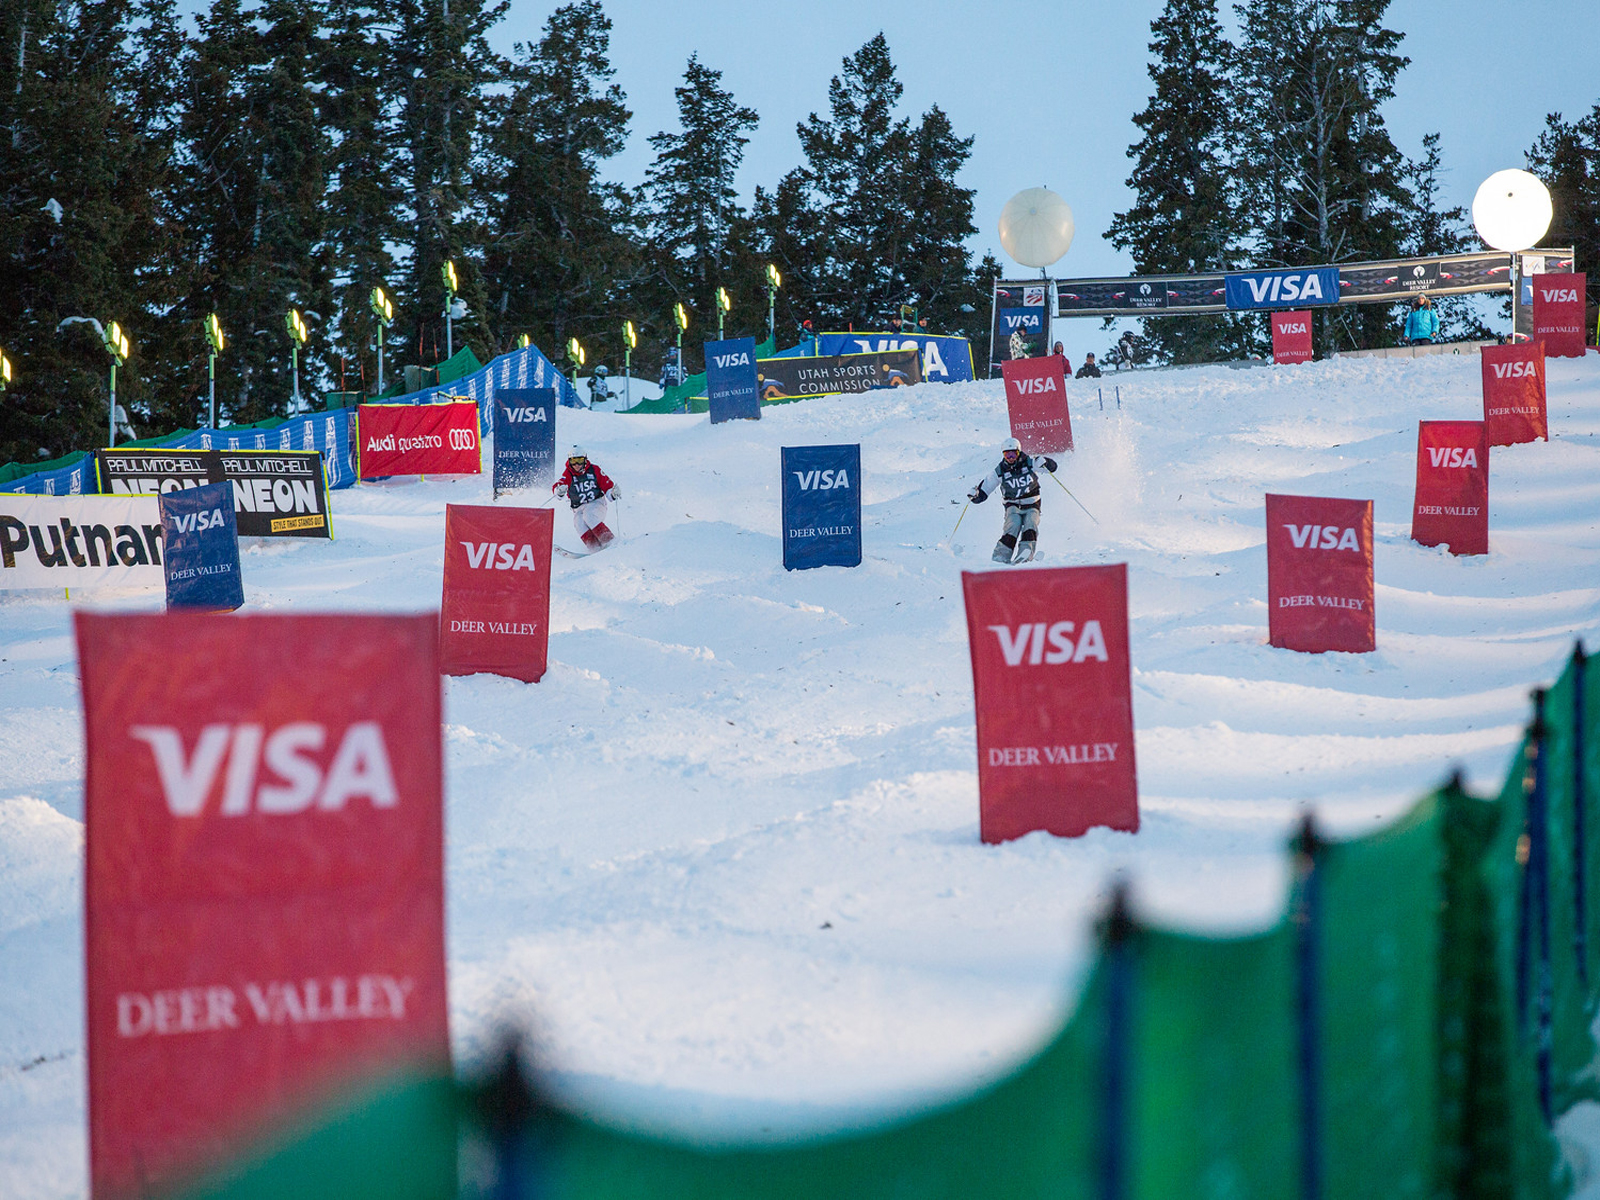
1183,219
1432,230
1567,158
938,277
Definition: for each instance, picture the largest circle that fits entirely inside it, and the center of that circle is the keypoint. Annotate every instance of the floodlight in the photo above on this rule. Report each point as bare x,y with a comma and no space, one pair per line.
1511,210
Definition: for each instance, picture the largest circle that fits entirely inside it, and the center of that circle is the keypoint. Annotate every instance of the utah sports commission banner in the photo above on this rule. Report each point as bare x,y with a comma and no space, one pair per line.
837,374
731,389
1291,337
524,438
418,439
265,887
944,359
1036,401
79,541
495,616
1514,393
821,506
1319,574
1558,314
202,549
1052,683
1452,498
276,493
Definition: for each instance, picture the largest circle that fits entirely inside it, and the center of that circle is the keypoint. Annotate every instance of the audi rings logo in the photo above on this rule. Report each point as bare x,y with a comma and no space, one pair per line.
463,439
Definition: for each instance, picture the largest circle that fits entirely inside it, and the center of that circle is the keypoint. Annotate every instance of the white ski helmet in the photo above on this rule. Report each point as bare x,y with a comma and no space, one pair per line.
577,452
1011,444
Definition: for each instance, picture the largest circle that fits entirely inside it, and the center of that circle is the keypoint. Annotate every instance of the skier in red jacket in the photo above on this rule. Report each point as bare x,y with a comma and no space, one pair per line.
587,488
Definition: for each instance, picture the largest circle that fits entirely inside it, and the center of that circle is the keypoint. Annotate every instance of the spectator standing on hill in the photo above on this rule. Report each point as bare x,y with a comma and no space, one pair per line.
1060,352
1422,323
1019,343
1088,370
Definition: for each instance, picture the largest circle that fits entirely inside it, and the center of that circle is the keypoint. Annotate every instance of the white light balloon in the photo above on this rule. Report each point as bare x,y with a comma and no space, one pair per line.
1036,227
1511,210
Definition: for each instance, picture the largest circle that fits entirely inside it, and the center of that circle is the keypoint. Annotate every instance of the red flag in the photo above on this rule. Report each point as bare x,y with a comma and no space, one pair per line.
496,612
265,885
1036,395
1051,680
418,439
1513,393
1558,311
1291,337
1452,504
1319,574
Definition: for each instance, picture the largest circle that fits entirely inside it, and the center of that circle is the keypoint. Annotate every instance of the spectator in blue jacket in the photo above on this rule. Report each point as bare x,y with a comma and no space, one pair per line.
1422,323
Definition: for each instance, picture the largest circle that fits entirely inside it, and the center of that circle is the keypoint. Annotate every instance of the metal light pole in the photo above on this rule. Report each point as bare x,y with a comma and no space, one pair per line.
116,344
451,286
774,282
575,355
680,316
630,342
724,305
296,326
213,336
383,309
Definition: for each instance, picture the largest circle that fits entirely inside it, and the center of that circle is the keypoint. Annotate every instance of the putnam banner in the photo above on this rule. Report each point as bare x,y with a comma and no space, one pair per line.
837,374
821,506
1306,286
276,493
1051,678
1036,398
79,541
264,917
1291,337
202,543
1319,574
417,439
1558,310
1452,503
524,438
732,392
495,618
1513,393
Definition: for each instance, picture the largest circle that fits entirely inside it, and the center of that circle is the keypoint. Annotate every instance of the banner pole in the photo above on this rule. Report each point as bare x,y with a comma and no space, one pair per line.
1075,500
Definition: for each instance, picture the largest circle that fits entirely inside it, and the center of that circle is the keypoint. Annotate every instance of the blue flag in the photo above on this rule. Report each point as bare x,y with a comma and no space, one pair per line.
732,391
821,506
524,438
201,555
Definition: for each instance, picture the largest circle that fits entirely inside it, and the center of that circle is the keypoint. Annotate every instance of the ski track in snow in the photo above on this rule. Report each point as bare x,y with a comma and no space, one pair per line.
725,856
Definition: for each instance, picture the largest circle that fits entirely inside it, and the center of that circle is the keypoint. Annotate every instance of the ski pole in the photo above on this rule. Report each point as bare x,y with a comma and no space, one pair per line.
1075,500
959,519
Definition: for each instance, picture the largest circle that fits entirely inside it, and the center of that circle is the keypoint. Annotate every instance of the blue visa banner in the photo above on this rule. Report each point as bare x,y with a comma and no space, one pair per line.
821,506
201,535
944,359
1292,287
732,390
524,438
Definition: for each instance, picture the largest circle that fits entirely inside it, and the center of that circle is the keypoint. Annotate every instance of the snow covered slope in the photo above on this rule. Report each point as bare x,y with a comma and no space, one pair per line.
726,853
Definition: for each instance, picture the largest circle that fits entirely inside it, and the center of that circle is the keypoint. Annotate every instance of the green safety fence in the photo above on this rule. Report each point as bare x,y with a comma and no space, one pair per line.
1411,1028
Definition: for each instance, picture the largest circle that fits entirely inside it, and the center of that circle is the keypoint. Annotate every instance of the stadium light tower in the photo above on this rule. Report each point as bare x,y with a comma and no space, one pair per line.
116,344
383,309
680,318
296,325
774,282
5,371
453,308
724,306
630,342
215,338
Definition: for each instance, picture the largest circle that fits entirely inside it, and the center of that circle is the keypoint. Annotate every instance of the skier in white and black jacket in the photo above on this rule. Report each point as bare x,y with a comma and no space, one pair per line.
1017,480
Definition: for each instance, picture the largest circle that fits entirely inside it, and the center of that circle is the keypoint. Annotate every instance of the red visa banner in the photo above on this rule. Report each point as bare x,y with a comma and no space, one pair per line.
1291,337
417,439
1319,574
1513,393
265,885
1558,310
1452,503
1052,684
1036,395
495,617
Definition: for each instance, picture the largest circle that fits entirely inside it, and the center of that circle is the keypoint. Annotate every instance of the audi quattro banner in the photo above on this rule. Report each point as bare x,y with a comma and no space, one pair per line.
1558,313
1514,393
1452,499
495,617
524,438
1283,288
1051,679
202,544
732,392
418,439
265,889
80,541
1319,574
1291,337
821,506
1036,399
837,374
276,493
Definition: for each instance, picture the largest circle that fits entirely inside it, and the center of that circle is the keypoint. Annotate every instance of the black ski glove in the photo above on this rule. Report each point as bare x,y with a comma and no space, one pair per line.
1049,465
977,495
